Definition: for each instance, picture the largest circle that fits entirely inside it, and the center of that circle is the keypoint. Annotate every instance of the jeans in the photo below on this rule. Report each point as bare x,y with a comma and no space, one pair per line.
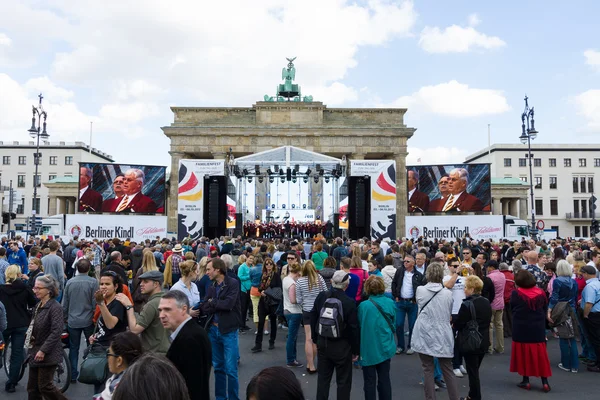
498,326
586,348
16,338
404,308
225,354
569,356
377,379
293,321
472,364
334,356
74,343
41,384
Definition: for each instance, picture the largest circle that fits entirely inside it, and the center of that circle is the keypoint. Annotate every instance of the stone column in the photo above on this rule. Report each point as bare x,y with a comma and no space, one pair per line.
505,206
174,186
61,205
52,206
401,193
513,207
497,207
523,212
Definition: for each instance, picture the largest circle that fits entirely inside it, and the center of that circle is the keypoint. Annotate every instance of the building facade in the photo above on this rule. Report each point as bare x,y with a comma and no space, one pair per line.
564,178
59,160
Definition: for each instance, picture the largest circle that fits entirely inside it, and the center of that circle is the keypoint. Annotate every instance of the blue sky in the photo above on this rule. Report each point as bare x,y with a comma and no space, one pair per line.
457,65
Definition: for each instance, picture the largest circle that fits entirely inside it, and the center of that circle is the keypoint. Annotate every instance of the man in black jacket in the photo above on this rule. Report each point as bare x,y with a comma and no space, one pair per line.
190,349
336,354
404,288
116,265
222,305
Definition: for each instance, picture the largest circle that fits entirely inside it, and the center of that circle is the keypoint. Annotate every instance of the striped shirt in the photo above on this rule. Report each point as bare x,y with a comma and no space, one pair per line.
305,296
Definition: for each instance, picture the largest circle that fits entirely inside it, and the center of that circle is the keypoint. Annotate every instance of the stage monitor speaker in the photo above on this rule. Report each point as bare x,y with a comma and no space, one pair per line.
215,206
359,207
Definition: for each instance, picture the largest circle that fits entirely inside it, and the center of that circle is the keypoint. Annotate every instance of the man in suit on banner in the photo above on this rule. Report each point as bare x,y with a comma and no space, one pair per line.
133,200
89,200
459,200
417,201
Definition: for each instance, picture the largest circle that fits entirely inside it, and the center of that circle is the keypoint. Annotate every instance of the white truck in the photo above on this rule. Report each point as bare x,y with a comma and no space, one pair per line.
479,227
98,226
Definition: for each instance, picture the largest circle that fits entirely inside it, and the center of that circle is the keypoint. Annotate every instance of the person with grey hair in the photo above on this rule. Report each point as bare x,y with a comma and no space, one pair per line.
417,200
432,333
517,265
89,200
43,341
459,200
133,201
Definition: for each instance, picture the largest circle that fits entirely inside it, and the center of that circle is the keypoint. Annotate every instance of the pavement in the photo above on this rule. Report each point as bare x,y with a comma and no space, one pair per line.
497,382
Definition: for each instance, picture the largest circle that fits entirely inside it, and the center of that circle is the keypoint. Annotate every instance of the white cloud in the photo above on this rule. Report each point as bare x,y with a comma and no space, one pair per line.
454,99
458,39
588,104
336,94
592,58
129,112
4,39
435,155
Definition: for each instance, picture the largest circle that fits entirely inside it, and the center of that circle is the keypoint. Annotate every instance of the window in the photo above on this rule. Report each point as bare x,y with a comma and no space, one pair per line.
577,231
582,162
51,176
553,207
552,162
537,162
538,182
555,228
539,207
590,184
522,162
20,180
567,162
584,231
53,160
575,184
5,160
68,160
22,160
552,182
582,184
68,174
21,207
523,178
508,162
37,180
596,162
36,205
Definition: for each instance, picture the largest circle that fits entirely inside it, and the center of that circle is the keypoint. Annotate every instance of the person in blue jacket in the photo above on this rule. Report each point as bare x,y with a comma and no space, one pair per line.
16,255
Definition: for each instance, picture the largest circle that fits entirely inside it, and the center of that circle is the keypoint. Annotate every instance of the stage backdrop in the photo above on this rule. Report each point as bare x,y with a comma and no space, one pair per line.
190,198
435,186
383,195
105,190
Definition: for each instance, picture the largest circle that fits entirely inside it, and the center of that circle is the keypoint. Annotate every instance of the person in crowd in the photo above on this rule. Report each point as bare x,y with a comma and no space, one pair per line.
147,323
387,273
43,343
245,286
489,290
564,289
354,280
374,269
376,252
377,321
35,269
16,255
172,272
124,350
148,264
274,383
432,334
339,252
404,289
420,262
483,316
222,303
190,349
161,380
550,271
529,356
336,354
541,278
256,272
3,322
78,304
117,266
308,288
292,312
357,269
499,281
204,282
270,279
329,267
54,266
590,302
17,297
508,289
3,264
189,273
318,256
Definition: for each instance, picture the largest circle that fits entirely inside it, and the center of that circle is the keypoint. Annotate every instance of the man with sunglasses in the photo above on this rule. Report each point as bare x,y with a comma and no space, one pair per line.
404,288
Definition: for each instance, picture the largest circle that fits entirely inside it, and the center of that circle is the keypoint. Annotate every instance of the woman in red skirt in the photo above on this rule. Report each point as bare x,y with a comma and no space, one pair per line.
529,356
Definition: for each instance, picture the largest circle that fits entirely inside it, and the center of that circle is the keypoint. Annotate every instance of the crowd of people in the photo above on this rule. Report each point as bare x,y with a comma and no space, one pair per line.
165,308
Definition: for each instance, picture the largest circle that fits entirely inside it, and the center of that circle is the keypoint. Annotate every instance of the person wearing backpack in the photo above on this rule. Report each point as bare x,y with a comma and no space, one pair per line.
377,320
483,316
334,324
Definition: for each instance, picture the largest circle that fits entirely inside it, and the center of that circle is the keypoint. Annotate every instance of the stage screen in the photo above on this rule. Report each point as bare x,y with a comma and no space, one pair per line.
449,189
121,188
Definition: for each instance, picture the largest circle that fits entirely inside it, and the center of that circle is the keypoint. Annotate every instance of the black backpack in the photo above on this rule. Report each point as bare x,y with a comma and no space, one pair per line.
331,318
469,337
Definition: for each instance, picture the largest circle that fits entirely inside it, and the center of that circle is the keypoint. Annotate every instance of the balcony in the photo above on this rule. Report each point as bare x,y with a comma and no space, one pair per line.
582,215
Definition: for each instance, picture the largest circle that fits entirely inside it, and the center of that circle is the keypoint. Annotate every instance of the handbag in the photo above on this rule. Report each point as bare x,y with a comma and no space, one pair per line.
94,367
274,295
422,308
469,337
384,316
29,333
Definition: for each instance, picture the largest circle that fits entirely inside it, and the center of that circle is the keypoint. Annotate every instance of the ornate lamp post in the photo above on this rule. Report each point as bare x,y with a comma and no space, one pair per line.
35,132
528,134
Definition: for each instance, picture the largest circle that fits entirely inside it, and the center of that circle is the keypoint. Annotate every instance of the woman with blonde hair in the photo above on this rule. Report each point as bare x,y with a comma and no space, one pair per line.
308,287
148,264
204,280
189,273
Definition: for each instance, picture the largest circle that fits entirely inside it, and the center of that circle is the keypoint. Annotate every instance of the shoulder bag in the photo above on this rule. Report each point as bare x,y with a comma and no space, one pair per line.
469,337
94,367
422,308
387,319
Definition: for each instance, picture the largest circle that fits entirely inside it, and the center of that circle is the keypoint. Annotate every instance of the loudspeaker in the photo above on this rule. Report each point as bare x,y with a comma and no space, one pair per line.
215,206
336,225
359,206
239,225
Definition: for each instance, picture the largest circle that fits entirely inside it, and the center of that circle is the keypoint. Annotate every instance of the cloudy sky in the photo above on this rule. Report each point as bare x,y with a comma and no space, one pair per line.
457,65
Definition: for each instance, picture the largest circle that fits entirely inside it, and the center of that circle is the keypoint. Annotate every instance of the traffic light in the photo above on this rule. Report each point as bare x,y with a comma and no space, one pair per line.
13,215
593,204
5,218
595,227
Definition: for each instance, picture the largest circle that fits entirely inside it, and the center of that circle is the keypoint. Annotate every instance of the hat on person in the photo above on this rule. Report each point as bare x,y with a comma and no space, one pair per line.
153,276
177,248
338,279
588,269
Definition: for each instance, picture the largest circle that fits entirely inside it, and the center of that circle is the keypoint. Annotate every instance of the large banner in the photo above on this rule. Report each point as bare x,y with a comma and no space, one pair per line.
453,189
190,198
121,188
383,195
455,227
134,227
343,205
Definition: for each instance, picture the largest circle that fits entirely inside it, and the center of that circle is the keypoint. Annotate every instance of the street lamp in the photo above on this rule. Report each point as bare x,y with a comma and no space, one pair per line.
35,132
528,134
